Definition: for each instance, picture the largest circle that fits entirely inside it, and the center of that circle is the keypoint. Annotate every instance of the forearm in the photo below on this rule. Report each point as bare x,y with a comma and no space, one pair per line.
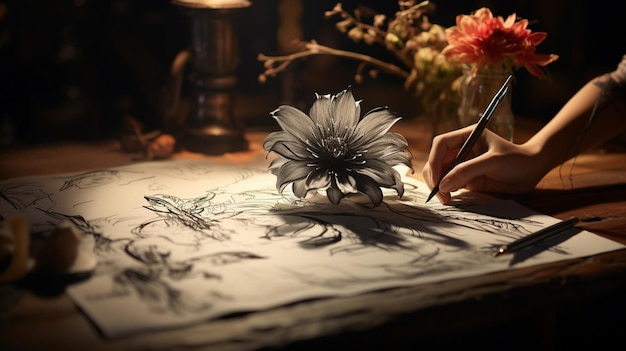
571,131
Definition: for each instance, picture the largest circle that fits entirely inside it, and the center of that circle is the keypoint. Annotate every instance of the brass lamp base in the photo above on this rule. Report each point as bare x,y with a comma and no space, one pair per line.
214,140
210,127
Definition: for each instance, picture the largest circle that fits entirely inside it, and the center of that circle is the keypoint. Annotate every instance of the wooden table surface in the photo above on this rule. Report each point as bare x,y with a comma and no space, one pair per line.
551,306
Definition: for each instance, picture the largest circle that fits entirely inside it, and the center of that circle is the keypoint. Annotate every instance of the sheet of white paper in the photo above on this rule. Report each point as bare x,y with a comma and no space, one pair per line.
183,241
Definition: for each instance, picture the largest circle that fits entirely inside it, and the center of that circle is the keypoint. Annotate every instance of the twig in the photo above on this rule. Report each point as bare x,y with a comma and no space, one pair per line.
275,64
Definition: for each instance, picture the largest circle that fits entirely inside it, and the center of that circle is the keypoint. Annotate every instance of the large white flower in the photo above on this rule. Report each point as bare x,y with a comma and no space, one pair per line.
332,149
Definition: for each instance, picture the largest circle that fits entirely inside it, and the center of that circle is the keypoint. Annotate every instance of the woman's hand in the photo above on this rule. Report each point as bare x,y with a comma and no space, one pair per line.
493,165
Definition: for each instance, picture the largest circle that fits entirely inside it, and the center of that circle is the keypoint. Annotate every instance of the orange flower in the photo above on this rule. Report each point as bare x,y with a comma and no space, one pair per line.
483,40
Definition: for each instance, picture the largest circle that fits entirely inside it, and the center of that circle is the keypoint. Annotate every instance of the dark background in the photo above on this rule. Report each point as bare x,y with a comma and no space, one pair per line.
70,70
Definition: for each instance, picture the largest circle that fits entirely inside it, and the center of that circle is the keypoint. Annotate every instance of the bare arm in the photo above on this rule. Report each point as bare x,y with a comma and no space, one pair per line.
595,114
571,131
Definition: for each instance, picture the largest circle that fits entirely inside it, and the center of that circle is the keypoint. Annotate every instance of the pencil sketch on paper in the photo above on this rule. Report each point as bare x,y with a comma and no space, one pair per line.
185,241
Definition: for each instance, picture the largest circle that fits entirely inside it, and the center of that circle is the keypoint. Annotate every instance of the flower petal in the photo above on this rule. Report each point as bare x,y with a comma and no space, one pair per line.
320,111
294,122
289,172
300,189
275,137
277,163
334,195
318,179
291,150
399,185
370,188
374,125
345,183
378,171
392,149
346,112
393,141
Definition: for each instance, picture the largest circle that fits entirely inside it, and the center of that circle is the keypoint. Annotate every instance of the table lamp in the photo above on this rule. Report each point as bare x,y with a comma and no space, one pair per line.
210,127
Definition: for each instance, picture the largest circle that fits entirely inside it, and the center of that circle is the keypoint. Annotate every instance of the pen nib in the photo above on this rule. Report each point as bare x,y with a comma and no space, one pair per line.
432,193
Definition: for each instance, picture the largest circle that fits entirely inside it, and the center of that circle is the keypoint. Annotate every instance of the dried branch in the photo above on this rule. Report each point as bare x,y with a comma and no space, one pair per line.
275,64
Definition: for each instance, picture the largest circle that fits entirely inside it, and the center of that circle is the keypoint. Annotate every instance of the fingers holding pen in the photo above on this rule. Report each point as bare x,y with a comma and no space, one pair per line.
468,174
444,150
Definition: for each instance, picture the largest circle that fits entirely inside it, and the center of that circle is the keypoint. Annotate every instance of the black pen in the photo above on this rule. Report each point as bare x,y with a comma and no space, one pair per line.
540,235
482,123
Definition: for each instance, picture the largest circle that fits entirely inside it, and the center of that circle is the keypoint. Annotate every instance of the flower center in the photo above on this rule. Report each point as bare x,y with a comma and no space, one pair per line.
335,147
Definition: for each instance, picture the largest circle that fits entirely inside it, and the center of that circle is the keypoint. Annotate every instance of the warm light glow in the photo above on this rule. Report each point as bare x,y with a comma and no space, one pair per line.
213,3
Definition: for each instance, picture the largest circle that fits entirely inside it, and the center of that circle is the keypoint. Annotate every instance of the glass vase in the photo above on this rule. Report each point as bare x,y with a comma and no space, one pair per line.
476,93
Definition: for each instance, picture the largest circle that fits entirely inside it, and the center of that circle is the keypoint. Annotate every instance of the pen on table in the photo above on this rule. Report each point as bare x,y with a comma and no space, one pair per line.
540,235
482,123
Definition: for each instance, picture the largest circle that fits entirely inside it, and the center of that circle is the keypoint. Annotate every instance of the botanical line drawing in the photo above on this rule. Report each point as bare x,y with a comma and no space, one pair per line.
191,240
